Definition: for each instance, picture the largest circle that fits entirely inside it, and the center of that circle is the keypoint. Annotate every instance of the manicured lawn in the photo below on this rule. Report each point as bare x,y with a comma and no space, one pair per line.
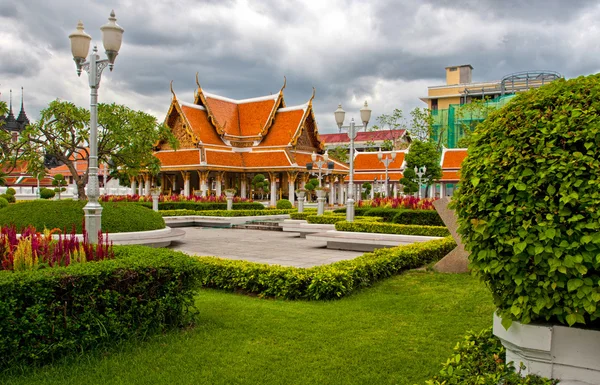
397,332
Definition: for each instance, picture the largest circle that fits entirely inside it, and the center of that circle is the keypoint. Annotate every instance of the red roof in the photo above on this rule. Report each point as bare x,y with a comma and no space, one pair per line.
370,161
363,136
200,125
369,176
284,127
450,176
452,158
178,158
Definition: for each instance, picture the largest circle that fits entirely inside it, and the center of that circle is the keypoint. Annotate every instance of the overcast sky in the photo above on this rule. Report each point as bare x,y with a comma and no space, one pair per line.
386,52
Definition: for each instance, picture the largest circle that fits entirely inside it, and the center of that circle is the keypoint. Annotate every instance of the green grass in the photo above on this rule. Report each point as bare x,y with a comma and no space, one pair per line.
63,214
397,332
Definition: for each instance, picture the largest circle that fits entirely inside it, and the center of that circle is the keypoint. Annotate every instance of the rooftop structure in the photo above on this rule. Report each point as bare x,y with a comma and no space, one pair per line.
366,139
12,124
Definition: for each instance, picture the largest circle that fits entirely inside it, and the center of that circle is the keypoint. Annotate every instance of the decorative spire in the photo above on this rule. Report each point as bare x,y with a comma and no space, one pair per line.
23,120
173,92
11,123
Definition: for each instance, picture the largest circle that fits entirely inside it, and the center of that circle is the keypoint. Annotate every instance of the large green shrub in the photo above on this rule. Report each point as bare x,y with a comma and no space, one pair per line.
418,217
9,198
46,193
391,228
116,217
11,191
321,282
284,204
3,203
47,313
529,203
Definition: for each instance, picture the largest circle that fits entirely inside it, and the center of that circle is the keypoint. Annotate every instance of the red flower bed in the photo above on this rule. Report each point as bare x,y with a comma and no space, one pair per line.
407,202
170,198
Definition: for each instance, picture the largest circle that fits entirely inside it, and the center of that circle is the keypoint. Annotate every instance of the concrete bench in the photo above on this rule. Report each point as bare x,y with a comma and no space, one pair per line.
348,240
303,228
223,222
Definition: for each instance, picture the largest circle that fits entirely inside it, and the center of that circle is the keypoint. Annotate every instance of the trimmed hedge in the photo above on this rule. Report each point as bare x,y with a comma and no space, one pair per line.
46,193
303,215
321,282
224,213
9,198
391,228
64,214
284,204
480,358
333,219
48,313
418,217
3,203
201,206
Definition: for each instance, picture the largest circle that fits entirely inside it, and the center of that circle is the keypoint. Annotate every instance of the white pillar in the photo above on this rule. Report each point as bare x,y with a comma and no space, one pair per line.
443,190
273,201
291,191
186,185
332,193
432,191
373,190
140,188
133,186
203,185
395,190
243,187
147,186
341,193
219,183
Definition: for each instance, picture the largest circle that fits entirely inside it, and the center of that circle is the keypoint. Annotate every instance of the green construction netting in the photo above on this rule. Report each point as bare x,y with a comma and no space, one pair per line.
452,123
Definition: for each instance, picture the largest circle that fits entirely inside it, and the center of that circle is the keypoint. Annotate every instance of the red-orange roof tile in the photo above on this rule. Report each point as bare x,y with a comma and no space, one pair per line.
453,158
283,129
254,116
449,176
178,158
266,159
370,161
224,158
362,136
201,126
369,176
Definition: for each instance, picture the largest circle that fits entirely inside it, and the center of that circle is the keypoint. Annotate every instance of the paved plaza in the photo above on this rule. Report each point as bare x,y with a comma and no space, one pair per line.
271,247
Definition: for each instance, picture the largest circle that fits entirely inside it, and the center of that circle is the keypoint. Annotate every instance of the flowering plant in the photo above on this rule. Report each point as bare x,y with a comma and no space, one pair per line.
407,202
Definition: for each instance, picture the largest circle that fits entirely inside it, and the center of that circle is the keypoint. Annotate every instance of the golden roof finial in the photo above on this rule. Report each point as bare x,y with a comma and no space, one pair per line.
284,83
173,92
197,81
313,96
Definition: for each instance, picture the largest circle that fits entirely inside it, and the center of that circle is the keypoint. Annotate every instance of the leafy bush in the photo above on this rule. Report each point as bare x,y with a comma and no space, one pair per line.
46,193
3,203
418,217
333,219
391,228
224,213
64,215
284,204
303,215
528,204
480,359
9,198
47,313
11,191
321,282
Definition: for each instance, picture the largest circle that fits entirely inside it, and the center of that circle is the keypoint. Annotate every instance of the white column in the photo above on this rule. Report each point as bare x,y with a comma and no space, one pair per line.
373,190
219,183
147,186
186,185
341,193
332,194
442,190
291,191
395,190
243,187
140,188
432,191
203,185
133,186
273,201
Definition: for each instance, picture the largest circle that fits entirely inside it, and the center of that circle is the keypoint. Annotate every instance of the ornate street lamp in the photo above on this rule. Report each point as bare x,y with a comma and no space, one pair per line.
112,36
420,171
322,171
386,162
365,115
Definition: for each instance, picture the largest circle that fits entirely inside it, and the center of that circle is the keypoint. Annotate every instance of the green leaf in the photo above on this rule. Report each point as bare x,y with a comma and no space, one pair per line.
550,233
571,319
475,181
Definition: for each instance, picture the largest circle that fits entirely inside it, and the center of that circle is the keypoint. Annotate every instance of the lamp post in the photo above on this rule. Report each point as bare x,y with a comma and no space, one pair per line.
365,115
322,171
420,171
112,36
386,162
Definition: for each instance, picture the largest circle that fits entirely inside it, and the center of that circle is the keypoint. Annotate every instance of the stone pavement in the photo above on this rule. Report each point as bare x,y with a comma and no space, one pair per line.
271,247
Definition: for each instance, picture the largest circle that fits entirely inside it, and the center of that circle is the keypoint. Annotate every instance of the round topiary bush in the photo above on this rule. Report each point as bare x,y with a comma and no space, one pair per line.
9,198
11,191
529,204
46,193
3,203
64,214
284,204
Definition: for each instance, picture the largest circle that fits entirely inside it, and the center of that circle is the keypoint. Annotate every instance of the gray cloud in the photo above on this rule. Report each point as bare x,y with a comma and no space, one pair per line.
386,51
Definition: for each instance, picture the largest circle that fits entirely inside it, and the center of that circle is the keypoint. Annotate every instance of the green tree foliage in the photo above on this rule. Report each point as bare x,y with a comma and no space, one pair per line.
3,176
125,139
367,186
470,116
339,153
421,154
390,123
259,184
528,204
59,183
421,125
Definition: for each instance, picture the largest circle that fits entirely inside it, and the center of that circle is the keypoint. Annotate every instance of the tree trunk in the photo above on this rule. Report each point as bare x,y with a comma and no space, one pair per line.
81,189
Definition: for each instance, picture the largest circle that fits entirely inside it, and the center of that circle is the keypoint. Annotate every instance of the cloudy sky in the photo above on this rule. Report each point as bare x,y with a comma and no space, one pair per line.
386,52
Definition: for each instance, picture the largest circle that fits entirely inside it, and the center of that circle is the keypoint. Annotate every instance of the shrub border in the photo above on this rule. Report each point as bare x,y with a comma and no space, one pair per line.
225,213
392,228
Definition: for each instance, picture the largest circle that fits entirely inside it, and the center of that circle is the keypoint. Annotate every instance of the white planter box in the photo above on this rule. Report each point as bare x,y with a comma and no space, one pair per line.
569,354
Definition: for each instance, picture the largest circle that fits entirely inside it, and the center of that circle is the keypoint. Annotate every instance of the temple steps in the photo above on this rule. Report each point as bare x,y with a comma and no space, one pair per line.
259,225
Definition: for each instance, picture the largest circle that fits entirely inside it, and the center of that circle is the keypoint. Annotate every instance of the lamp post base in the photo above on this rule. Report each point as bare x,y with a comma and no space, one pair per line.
350,210
93,216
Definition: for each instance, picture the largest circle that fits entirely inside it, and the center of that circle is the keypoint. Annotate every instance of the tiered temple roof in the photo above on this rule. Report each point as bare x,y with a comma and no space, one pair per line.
367,166
12,124
258,134
451,160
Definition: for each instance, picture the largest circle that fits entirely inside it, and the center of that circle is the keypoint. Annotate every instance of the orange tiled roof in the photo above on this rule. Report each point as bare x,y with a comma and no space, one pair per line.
369,176
178,158
452,158
284,127
248,117
224,158
200,125
266,159
370,161
448,176
302,159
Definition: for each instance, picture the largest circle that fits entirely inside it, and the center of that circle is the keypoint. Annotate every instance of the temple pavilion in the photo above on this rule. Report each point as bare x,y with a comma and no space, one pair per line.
224,143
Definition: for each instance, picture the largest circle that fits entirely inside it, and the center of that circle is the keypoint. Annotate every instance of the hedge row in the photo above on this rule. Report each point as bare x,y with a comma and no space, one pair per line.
391,228
321,282
333,219
303,215
47,313
418,217
225,213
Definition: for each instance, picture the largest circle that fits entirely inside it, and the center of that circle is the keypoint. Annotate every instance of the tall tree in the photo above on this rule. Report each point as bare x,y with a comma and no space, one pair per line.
422,154
391,124
339,153
125,139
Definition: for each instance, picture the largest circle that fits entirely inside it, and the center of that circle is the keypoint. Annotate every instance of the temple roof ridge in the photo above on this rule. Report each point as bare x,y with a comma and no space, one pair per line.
241,101
192,105
294,108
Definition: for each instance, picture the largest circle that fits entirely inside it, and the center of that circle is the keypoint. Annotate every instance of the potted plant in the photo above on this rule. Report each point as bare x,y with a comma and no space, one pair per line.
528,213
301,193
321,191
230,192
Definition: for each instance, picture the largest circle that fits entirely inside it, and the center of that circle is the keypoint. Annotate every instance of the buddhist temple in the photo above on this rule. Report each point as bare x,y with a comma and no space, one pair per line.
224,143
